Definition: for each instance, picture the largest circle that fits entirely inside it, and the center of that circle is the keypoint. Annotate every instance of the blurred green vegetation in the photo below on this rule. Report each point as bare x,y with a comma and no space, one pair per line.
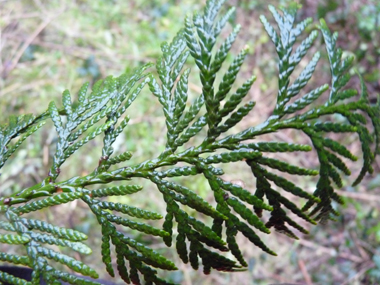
49,46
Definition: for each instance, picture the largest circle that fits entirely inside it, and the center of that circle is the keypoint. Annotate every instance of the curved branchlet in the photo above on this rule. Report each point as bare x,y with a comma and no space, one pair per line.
200,230
38,255
331,165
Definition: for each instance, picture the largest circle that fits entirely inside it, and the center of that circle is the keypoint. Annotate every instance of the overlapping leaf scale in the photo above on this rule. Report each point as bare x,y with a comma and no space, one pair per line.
247,214
243,194
204,230
72,263
365,139
15,259
141,227
10,279
133,273
284,166
275,200
116,191
60,232
74,147
190,132
148,253
173,105
221,54
221,23
272,34
338,163
219,196
233,156
277,220
201,35
48,202
55,117
338,148
193,256
192,199
202,233
82,93
181,246
306,100
235,99
129,210
302,49
295,225
121,243
322,212
14,239
111,133
287,62
250,234
181,171
212,259
346,94
66,277
136,262
190,114
304,77
324,190
97,105
118,158
121,267
223,207
96,118
180,96
289,186
334,127
7,150
135,93
230,76
168,225
276,147
64,148
188,170
107,231
375,114
7,226
334,175
49,239
179,65
203,239
291,206
177,197
16,126
235,117
337,66
231,232
285,24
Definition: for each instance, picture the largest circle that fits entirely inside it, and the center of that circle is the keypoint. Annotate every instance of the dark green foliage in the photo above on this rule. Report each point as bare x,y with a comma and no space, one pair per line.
103,113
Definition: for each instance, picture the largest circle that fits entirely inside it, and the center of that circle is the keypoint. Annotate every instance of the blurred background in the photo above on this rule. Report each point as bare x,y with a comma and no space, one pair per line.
49,46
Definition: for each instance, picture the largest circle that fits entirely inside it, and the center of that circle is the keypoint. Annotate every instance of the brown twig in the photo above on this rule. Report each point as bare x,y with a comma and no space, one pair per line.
359,273
24,46
305,274
359,196
330,251
364,255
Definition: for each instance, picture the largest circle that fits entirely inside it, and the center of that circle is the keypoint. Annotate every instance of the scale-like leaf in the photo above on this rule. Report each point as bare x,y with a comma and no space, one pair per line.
60,232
